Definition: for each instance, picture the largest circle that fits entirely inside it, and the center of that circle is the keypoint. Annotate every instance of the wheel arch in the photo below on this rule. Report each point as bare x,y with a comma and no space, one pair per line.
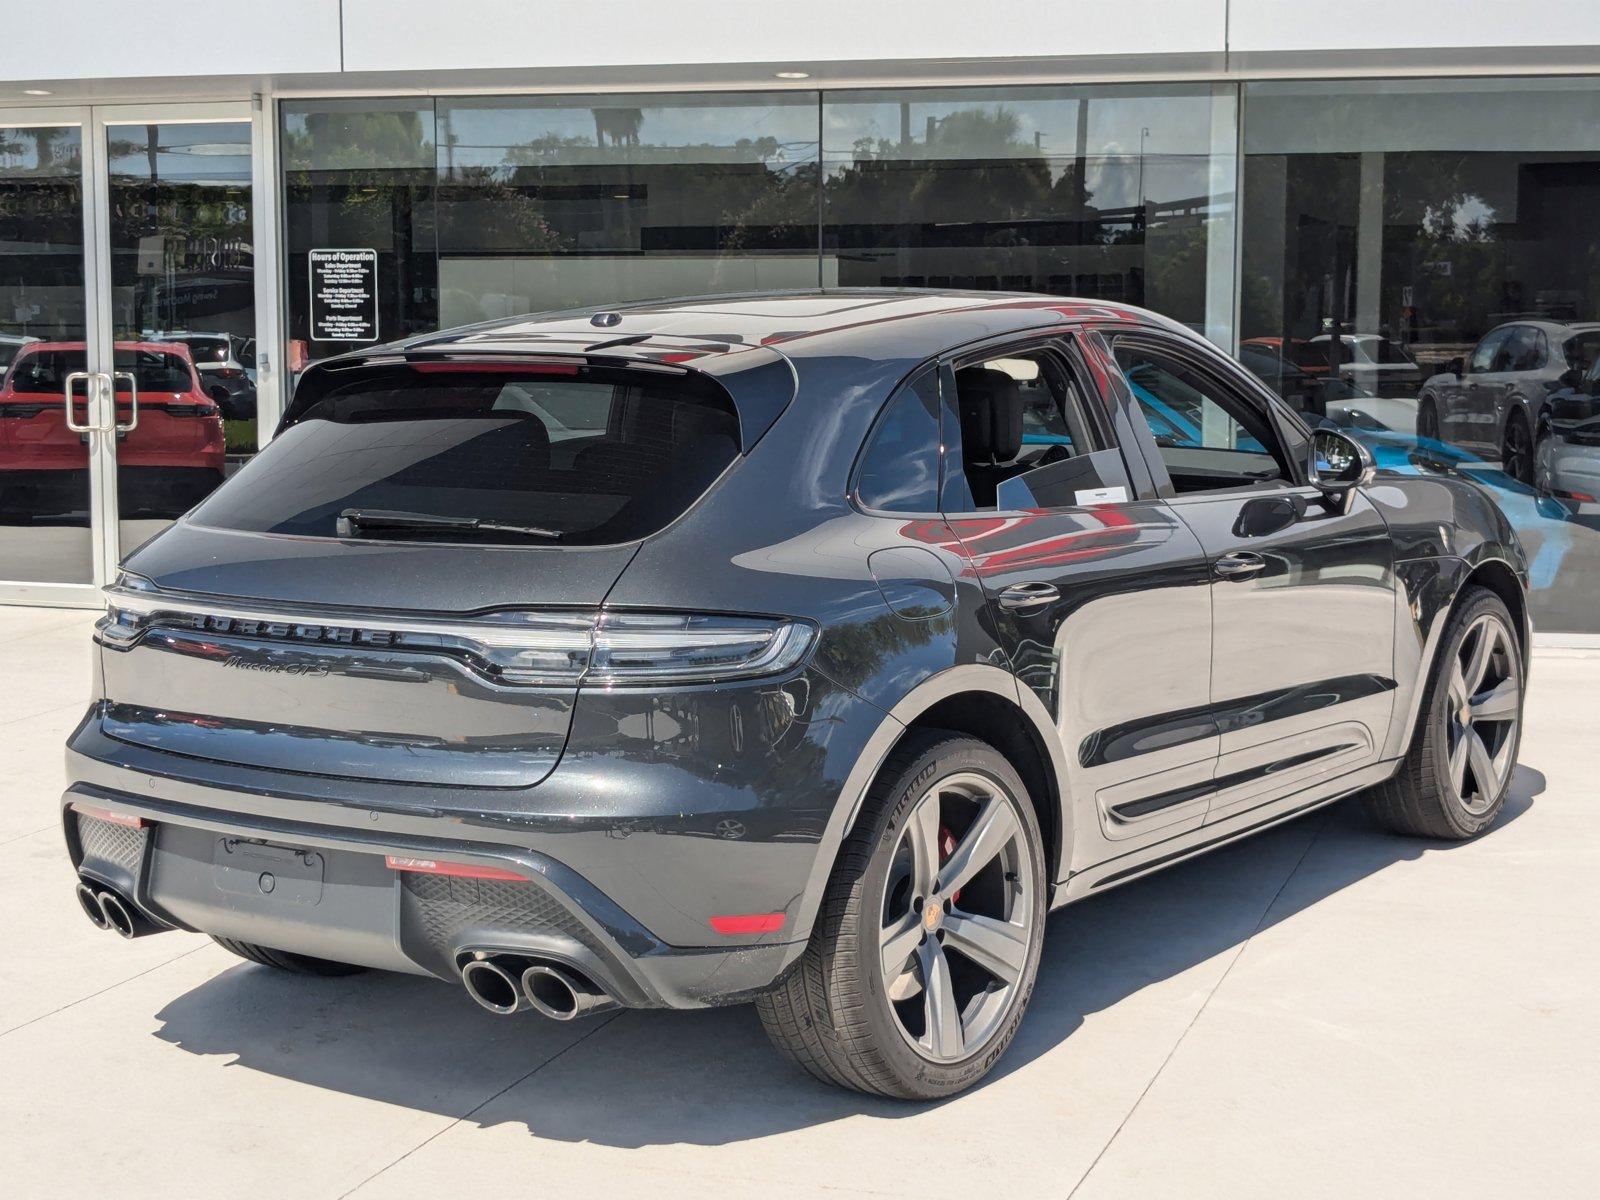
1450,580
1002,723
1497,576
983,701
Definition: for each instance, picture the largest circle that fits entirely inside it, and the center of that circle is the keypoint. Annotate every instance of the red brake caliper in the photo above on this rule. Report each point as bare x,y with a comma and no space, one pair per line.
947,847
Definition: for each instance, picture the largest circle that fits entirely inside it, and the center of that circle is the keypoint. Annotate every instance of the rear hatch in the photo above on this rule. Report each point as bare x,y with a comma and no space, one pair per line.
403,586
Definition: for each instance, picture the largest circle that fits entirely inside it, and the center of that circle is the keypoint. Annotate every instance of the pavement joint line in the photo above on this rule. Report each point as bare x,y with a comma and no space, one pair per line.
25,836
43,629
43,712
1238,953
479,1107
108,988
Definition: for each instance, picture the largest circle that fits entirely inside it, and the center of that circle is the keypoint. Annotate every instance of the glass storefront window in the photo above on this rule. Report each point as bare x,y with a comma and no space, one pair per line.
551,202
41,236
1120,193
1421,264
359,175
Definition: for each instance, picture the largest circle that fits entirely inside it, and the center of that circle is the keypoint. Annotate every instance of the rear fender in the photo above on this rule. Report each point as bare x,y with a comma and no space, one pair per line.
965,679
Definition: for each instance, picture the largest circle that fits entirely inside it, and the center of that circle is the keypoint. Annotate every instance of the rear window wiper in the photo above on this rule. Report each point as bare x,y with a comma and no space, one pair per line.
353,522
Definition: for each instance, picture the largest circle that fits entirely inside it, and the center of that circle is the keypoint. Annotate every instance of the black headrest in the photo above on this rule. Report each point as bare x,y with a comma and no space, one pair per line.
990,403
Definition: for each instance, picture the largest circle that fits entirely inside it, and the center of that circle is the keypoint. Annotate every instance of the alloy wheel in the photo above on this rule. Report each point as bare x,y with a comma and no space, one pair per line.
957,917
1485,707
1517,454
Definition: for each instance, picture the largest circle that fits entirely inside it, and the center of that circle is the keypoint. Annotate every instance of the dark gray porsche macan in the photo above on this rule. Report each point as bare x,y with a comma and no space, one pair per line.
802,649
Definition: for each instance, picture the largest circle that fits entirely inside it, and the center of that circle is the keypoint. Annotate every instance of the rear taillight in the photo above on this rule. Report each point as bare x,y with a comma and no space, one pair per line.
525,649
227,373
672,648
635,649
22,412
193,410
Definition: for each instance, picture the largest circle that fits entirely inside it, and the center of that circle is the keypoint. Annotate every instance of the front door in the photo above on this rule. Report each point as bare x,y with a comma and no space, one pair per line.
1303,596
127,332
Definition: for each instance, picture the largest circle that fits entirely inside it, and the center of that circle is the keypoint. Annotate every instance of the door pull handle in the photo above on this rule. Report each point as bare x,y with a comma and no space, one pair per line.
1239,566
1020,596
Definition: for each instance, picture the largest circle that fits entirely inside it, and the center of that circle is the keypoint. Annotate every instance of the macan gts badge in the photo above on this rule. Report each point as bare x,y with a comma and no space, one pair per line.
798,649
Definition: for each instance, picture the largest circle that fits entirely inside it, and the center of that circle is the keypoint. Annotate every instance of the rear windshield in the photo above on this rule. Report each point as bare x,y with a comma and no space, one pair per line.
598,457
206,350
153,371
1391,354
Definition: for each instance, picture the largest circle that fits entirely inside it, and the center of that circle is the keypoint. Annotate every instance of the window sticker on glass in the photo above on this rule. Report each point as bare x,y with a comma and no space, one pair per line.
344,295
1105,495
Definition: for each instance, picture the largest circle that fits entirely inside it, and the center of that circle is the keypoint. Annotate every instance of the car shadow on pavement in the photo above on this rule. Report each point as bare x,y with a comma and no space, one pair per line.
709,1078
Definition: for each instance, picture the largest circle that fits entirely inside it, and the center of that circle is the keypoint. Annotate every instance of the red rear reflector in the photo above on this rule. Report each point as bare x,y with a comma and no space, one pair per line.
748,923
469,368
105,814
433,866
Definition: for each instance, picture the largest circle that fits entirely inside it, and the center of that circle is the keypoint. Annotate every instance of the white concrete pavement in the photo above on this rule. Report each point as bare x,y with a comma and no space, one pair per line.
1320,1011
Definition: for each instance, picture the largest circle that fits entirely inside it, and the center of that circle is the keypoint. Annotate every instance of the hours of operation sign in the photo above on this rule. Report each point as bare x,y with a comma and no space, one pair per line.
344,295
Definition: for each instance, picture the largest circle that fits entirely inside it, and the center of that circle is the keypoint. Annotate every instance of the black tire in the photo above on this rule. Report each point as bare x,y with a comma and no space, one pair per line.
284,960
831,1013
1517,449
1421,800
1428,420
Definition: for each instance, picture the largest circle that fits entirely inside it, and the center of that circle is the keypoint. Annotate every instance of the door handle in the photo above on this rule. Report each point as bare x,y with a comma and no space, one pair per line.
1240,565
133,401
88,401
1020,596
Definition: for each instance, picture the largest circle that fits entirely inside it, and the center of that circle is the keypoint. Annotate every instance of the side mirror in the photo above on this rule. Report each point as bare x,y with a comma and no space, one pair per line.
1572,377
1456,366
1339,465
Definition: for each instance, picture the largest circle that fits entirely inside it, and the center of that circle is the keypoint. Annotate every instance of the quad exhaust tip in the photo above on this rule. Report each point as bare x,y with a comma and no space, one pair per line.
509,984
109,909
560,996
118,916
492,986
89,901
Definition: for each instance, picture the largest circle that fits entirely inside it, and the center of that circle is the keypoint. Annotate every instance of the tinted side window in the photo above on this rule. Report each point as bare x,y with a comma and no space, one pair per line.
1488,350
900,468
1209,437
1522,349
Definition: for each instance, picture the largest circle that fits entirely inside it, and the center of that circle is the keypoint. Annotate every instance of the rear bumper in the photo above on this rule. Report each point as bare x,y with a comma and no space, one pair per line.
338,899
659,821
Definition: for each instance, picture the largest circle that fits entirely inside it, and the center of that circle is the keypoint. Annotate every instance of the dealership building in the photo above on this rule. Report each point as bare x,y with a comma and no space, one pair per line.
1390,212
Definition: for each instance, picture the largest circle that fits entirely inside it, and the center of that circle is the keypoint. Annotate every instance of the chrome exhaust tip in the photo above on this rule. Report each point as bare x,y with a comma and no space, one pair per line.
492,986
560,996
89,901
117,914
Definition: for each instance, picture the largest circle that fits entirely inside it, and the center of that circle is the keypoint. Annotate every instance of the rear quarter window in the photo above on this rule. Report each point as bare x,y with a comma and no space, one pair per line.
596,457
899,469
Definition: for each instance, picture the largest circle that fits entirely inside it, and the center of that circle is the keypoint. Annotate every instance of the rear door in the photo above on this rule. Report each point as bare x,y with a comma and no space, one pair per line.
1303,598
1099,593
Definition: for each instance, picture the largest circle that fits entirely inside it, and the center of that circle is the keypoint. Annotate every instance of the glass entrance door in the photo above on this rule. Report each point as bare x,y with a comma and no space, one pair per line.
182,325
47,550
127,330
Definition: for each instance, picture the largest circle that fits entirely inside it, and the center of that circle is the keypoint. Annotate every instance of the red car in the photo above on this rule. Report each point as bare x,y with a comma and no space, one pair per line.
173,457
